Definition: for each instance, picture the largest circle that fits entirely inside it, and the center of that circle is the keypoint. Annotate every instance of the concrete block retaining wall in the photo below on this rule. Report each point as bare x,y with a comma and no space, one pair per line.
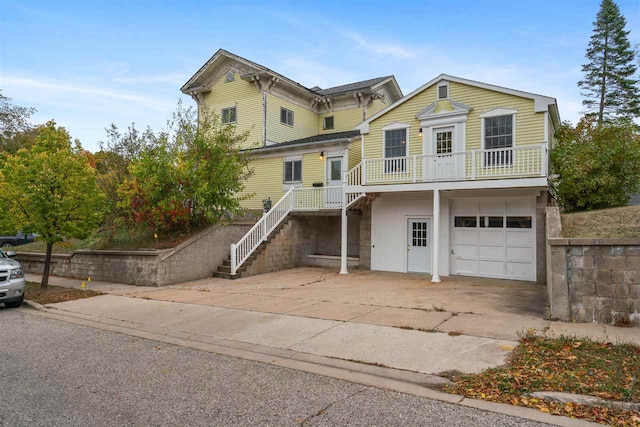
194,259
305,235
592,280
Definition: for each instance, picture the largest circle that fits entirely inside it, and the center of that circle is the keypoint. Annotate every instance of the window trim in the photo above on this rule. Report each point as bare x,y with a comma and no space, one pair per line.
292,116
497,112
438,86
234,107
324,123
291,159
395,126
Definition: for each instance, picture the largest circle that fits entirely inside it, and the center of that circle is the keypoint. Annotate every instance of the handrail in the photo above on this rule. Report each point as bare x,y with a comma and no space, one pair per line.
296,199
526,160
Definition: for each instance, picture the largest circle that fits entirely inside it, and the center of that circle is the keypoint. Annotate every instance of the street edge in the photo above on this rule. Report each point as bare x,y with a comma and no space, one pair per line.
33,304
383,378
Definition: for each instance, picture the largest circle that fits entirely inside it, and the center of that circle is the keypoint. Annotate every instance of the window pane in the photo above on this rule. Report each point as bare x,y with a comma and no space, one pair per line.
395,143
297,170
328,122
290,117
336,166
288,171
283,115
442,92
496,222
518,222
465,221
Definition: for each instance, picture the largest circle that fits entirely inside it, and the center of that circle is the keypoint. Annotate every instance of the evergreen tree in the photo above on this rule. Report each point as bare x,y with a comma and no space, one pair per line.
610,83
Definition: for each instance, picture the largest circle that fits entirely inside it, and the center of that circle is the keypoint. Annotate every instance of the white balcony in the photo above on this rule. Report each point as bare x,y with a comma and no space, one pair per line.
517,162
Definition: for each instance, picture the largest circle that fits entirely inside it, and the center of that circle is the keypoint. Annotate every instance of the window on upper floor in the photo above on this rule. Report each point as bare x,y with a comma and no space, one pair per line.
327,123
292,171
443,90
498,136
229,115
395,145
286,116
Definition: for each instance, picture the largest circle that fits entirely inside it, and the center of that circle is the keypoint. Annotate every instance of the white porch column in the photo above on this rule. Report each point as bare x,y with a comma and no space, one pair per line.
344,243
435,249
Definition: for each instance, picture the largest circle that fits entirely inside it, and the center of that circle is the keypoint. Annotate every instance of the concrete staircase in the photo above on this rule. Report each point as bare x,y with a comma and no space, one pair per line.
224,271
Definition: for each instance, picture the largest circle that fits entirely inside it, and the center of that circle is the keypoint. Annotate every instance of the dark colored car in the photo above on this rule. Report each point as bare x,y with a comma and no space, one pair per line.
17,240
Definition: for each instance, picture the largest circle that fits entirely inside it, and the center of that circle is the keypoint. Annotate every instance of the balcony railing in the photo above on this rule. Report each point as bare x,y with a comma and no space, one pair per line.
525,161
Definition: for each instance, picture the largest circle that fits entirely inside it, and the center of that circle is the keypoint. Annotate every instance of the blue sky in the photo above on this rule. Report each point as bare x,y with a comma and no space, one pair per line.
87,64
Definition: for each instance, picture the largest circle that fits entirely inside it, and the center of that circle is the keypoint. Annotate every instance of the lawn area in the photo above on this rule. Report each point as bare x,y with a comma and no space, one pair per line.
607,371
120,239
603,223
54,294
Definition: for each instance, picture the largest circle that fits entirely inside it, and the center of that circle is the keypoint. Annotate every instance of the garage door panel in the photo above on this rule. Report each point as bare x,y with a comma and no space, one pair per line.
519,238
466,251
465,237
519,270
491,237
491,252
491,268
466,266
519,254
462,206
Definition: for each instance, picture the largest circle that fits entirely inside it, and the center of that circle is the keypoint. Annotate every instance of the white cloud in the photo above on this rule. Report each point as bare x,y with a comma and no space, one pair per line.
25,83
380,48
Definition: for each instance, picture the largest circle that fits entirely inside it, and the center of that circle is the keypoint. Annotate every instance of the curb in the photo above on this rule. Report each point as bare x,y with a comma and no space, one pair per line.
34,304
373,376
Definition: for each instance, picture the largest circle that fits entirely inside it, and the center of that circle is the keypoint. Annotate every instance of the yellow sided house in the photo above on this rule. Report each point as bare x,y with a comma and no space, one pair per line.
450,179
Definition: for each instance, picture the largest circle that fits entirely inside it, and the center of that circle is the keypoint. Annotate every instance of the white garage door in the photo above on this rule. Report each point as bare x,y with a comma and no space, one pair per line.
494,238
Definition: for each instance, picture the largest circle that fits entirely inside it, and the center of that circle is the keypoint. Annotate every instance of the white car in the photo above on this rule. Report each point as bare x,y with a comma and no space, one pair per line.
12,281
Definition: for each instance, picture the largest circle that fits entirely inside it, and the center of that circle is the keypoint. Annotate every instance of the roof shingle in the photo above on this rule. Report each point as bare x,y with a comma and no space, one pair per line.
335,136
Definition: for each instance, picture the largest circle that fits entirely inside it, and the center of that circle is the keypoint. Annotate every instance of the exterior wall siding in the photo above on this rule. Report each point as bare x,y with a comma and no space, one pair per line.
312,169
305,122
248,102
343,120
266,181
529,124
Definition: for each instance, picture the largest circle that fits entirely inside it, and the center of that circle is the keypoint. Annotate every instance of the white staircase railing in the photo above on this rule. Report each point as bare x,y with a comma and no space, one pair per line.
296,199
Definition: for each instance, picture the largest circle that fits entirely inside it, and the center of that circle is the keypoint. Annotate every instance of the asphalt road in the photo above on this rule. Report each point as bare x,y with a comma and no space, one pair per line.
59,374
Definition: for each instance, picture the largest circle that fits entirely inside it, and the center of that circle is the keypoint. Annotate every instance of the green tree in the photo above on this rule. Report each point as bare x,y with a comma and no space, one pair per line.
610,85
15,129
191,174
596,165
51,189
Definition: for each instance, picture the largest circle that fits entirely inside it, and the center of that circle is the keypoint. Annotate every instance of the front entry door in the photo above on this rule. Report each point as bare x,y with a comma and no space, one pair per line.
443,163
419,245
334,179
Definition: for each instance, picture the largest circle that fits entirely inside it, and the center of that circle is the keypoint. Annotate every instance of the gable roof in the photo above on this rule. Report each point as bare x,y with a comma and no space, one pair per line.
350,87
541,102
192,86
316,139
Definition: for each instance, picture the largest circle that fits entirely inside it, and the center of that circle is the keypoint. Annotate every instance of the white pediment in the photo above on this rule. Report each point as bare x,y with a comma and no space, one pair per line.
443,108
396,125
498,112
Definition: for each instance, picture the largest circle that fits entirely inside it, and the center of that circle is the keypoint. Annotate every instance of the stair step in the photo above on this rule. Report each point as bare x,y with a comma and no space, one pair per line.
227,262
225,275
224,268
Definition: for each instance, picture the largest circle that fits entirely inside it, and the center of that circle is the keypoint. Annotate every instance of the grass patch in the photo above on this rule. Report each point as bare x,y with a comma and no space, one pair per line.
54,294
130,239
607,371
602,223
